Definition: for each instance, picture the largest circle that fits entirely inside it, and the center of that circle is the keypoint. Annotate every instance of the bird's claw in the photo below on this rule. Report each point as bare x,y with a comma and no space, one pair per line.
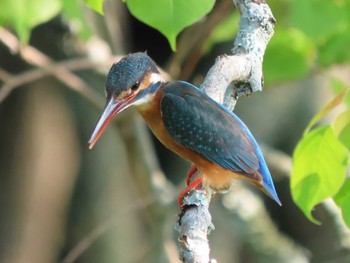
195,185
190,173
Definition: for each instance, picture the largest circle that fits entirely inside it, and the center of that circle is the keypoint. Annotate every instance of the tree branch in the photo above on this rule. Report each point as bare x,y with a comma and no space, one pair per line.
244,67
244,70
47,67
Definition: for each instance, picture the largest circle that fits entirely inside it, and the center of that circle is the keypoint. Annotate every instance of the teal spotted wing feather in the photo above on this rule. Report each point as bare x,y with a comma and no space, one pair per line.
200,125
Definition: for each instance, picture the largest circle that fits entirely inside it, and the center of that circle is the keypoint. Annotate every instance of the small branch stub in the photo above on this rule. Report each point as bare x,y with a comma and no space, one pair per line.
243,69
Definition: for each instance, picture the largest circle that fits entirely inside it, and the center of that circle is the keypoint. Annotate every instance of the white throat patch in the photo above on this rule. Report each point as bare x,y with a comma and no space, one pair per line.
155,78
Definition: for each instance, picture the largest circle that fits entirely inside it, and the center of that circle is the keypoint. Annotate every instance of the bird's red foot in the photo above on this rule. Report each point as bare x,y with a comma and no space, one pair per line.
190,173
192,186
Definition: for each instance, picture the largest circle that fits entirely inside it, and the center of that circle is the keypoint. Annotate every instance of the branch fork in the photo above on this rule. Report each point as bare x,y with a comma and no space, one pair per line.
243,69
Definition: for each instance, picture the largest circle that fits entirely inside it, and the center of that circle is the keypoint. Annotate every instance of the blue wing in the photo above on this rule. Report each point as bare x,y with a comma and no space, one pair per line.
202,126
199,123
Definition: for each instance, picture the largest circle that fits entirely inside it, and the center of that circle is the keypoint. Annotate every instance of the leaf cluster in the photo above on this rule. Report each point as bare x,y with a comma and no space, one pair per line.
321,160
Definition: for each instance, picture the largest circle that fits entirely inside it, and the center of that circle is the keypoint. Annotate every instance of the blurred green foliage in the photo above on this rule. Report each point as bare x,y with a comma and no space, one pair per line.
288,56
23,15
72,10
319,19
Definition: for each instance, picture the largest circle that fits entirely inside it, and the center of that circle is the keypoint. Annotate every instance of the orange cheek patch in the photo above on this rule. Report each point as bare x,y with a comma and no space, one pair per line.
123,95
145,82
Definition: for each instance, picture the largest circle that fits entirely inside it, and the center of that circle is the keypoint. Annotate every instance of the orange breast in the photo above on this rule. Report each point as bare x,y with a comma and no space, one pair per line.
214,175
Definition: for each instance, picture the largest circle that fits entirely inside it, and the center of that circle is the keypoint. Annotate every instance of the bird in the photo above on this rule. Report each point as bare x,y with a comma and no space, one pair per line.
189,123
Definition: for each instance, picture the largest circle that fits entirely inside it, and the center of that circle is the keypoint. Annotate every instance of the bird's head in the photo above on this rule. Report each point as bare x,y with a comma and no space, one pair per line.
130,81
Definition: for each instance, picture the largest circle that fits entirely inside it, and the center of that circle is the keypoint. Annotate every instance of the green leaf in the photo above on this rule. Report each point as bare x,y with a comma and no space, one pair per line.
288,56
342,199
325,110
319,168
23,15
342,128
313,17
96,5
169,17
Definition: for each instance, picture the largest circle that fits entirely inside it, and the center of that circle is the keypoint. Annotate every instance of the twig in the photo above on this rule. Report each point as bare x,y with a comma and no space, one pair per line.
4,75
14,81
244,69
39,59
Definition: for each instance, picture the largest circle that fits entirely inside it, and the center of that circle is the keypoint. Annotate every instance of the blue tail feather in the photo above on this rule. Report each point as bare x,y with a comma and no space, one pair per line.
267,180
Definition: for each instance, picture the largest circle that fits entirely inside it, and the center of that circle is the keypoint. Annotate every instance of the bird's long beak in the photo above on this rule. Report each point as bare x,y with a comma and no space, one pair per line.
112,108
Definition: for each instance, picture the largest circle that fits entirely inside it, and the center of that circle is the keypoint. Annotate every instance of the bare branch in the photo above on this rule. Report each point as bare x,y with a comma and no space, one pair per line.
4,75
48,67
12,82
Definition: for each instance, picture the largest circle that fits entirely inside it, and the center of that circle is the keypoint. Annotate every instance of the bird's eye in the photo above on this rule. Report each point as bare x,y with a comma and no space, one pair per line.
135,86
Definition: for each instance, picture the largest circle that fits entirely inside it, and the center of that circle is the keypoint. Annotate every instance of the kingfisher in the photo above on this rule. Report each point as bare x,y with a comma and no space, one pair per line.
189,123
